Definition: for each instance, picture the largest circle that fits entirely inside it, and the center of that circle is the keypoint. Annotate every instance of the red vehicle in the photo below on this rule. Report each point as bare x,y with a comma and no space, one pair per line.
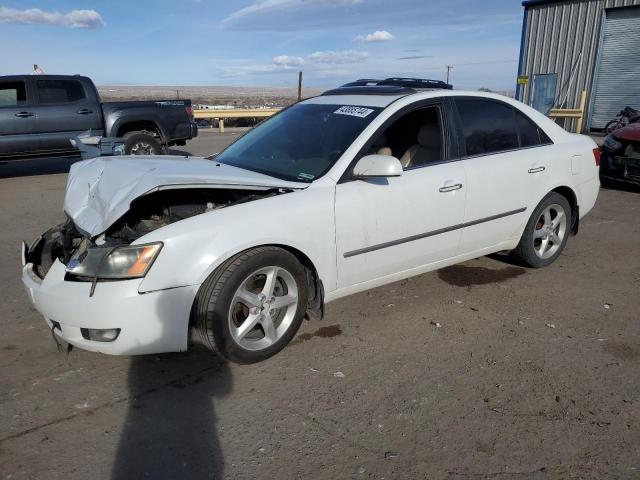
620,160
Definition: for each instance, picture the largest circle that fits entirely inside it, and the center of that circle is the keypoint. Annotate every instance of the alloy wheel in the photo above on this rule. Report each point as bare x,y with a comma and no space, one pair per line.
263,308
550,231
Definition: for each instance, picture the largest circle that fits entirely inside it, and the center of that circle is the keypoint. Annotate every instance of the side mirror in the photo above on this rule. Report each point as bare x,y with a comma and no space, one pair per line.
377,166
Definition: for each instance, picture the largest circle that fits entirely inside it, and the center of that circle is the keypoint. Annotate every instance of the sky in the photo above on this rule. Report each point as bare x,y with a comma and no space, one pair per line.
264,42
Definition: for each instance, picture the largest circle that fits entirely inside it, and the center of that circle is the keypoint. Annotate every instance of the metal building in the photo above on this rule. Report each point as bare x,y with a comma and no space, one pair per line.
573,45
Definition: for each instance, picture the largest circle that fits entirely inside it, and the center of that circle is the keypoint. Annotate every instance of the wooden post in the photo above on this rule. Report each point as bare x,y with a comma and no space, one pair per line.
583,103
299,86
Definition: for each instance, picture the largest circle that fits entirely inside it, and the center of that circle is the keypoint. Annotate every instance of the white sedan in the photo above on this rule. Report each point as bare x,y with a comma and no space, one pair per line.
347,191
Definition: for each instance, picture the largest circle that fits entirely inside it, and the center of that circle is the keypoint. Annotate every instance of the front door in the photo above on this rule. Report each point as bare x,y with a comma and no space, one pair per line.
392,225
17,118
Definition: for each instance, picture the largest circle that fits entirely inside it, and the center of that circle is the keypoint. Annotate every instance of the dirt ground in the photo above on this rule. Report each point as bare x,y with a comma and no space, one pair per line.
531,373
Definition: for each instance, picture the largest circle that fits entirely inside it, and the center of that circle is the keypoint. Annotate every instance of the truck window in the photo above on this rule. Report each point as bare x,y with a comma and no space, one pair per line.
12,93
60,91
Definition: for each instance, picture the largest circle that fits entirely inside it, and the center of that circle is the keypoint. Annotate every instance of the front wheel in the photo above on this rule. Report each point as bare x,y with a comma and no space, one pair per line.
252,305
546,233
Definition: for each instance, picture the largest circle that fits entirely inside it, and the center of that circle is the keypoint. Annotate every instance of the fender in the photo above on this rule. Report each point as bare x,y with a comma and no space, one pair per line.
193,248
115,123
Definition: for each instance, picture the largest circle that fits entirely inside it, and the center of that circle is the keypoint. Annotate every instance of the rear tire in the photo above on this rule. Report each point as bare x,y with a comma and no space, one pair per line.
141,143
252,305
546,233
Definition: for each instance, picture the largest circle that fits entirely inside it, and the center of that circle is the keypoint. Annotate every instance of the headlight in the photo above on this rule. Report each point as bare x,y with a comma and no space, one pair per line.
130,261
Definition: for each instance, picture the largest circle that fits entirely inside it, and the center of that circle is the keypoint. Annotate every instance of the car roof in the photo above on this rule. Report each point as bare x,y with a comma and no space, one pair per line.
376,99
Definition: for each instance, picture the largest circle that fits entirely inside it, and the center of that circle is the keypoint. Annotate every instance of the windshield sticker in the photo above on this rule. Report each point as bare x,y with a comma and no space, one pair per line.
306,176
360,112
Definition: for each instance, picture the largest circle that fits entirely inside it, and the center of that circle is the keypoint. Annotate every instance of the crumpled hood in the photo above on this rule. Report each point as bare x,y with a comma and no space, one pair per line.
100,190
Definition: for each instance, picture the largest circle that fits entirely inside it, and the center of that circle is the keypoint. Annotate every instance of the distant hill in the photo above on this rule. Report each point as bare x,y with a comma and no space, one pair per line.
210,95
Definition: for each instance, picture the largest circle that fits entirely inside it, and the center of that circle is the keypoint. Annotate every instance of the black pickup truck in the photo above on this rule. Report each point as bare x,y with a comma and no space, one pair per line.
40,113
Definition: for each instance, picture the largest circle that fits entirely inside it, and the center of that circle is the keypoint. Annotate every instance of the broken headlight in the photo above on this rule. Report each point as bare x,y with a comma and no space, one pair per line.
129,261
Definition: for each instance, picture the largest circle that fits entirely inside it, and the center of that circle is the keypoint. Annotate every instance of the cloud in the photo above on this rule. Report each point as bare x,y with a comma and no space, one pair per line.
345,56
270,6
32,16
377,36
415,57
288,61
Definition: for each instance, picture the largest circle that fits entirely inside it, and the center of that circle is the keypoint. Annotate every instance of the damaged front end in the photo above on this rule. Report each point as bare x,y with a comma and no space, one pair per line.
621,155
111,255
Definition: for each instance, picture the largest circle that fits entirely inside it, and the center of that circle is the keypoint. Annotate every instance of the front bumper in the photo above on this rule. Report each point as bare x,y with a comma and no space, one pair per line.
151,322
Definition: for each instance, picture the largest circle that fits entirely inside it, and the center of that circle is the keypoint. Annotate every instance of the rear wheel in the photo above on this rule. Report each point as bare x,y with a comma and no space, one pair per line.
142,143
252,305
546,233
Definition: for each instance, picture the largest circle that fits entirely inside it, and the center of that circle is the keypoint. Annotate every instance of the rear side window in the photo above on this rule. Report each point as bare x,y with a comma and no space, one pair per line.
12,93
487,126
60,91
530,134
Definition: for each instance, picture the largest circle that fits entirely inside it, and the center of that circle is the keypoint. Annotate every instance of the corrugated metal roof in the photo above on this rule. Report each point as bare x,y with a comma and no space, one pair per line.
530,3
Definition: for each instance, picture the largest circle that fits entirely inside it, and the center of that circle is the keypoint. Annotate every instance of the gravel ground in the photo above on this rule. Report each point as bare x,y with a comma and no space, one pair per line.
530,373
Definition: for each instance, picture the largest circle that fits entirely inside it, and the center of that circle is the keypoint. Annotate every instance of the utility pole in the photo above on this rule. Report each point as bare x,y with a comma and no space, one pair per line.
178,94
299,86
449,67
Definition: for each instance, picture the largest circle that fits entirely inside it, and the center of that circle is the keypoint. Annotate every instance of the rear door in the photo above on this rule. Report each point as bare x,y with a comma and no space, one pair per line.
64,109
17,118
507,161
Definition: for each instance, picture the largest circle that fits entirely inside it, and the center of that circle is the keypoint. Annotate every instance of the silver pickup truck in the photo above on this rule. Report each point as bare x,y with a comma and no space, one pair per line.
39,114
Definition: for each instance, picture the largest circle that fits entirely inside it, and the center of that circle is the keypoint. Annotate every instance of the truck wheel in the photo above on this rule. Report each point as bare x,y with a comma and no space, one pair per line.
252,305
140,143
546,232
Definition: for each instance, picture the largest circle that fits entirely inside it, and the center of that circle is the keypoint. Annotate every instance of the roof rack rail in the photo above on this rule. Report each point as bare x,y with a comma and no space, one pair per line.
350,89
415,83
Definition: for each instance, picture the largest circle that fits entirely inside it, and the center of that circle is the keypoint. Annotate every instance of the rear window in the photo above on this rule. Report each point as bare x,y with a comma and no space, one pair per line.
487,126
530,134
60,91
12,93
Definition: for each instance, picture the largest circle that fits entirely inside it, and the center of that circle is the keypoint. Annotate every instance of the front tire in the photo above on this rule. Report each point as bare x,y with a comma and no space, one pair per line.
546,233
252,305
141,143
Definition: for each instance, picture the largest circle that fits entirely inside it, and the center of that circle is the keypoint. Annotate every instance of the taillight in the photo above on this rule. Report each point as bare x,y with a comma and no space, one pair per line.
189,110
596,155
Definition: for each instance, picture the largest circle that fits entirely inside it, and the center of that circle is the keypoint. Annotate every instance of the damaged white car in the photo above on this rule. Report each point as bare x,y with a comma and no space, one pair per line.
356,188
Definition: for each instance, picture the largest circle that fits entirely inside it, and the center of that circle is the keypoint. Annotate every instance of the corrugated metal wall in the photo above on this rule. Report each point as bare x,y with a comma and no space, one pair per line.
563,38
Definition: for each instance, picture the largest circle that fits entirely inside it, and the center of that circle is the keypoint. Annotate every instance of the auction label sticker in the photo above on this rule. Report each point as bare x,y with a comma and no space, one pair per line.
360,112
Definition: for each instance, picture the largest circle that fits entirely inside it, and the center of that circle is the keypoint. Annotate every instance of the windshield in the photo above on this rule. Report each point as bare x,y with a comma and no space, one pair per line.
301,143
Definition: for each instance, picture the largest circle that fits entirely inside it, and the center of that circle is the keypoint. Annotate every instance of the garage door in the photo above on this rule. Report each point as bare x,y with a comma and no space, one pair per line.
618,81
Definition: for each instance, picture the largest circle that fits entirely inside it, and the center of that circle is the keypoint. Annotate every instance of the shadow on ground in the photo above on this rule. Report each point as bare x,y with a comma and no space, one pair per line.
467,275
36,166
170,428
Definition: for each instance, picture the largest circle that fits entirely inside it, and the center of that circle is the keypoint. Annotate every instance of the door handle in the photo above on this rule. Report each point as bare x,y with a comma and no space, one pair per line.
536,170
85,111
450,188
24,114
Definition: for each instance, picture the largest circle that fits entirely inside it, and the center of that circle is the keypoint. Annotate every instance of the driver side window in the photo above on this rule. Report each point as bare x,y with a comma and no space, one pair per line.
416,138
